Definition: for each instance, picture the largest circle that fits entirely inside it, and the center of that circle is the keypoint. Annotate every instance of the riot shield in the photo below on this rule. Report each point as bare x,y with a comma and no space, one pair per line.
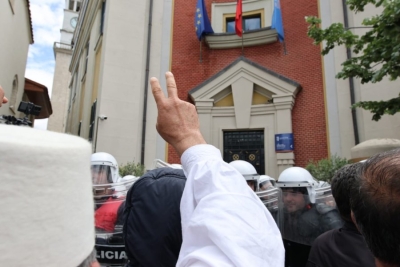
303,221
270,198
109,202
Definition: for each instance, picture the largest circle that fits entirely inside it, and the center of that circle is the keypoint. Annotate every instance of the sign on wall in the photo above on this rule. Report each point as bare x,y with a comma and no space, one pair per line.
284,142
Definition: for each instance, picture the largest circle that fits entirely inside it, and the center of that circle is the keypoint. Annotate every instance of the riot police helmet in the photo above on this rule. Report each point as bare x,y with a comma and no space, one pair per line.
248,171
104,168
266,182
298,179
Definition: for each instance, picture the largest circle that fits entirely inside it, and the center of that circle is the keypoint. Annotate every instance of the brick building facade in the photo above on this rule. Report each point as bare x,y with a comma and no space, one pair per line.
301,64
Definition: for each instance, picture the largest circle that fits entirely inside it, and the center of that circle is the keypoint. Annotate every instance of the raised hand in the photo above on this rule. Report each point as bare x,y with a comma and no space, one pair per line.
177,120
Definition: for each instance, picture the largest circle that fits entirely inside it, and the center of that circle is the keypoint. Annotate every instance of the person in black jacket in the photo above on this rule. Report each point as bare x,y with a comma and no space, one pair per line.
344,246
152,228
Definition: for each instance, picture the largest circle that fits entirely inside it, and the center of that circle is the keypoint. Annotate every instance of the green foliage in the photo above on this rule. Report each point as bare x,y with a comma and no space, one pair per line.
376,54
131,168
324,169
379,108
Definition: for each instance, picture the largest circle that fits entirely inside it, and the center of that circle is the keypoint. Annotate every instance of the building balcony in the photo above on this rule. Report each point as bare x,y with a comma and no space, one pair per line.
250,38
62,47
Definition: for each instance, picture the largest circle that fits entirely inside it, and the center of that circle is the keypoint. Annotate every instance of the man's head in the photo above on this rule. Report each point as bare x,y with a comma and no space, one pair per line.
104,168
266,182
298,188
341,185
105,174
375,205
294,198
248,171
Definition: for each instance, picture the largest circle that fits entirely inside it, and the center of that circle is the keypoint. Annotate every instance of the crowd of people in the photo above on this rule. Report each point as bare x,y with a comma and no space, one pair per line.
208,213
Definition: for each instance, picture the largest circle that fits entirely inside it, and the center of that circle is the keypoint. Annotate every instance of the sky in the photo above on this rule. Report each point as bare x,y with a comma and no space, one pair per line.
47,17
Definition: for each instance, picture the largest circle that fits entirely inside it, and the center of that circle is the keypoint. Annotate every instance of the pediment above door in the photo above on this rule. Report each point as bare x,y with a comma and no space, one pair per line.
244,79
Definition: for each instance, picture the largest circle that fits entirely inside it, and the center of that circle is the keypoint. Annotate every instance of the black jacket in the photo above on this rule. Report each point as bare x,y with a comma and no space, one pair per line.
152,229
341,247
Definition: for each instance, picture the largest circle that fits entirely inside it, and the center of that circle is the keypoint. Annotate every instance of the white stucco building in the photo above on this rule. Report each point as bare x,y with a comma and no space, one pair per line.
62,76
343,126
16,35
110,68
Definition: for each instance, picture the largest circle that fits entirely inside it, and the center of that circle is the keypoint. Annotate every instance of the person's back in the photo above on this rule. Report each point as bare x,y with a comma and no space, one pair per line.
344,246
341,247
152,228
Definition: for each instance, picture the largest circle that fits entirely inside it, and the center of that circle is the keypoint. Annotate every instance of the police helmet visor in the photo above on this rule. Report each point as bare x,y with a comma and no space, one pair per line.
302,222
266,185
101,174
270,198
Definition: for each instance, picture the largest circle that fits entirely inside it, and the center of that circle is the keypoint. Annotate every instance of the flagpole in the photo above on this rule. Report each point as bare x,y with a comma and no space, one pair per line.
242,44
242,37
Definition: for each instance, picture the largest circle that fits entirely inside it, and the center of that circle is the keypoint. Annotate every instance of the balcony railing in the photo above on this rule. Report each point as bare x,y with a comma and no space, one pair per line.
62,46
59,47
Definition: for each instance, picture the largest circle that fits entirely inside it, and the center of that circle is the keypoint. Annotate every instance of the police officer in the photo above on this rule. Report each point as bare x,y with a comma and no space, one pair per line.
249,173
109,192
304,214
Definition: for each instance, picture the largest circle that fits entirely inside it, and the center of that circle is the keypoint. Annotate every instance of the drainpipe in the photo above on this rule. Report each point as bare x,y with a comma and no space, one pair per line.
351,80
146,83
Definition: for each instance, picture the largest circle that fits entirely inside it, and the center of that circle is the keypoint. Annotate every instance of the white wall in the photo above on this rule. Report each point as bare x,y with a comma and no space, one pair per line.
15,39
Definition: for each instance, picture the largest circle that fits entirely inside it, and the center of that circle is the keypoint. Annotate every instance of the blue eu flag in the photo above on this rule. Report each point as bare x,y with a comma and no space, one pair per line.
277,20
201,21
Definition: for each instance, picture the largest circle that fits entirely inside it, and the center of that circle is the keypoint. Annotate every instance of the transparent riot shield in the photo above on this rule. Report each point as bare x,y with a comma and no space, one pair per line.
270,198
301,220
109,202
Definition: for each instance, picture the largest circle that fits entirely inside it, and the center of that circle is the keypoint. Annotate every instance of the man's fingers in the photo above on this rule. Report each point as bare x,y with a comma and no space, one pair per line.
171,85
5,100
156,90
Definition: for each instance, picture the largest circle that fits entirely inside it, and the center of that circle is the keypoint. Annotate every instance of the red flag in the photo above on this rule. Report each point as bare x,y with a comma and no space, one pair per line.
238,19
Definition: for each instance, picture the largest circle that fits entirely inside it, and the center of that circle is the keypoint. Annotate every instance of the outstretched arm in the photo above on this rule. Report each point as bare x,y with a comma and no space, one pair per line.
177,120
223,222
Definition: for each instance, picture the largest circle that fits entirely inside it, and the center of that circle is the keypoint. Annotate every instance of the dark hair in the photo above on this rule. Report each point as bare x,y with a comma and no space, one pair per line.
375,204
341,183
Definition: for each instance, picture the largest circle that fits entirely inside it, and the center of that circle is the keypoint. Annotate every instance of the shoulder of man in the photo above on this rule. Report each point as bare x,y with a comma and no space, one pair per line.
156,178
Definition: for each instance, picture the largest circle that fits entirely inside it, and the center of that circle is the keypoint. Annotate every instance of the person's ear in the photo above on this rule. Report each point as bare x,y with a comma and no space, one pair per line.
95,264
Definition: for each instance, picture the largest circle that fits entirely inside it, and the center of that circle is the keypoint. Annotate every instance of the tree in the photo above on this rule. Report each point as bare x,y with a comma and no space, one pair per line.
324,169
131,168
376,53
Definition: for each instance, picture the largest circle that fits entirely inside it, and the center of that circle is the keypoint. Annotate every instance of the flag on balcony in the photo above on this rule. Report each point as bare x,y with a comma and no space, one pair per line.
277,20
201,21
238,19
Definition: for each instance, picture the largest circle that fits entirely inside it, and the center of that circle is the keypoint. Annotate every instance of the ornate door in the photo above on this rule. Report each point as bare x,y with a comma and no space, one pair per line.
245,145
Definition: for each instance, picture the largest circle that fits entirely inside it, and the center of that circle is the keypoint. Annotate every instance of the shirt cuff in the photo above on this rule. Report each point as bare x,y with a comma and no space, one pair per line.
199,153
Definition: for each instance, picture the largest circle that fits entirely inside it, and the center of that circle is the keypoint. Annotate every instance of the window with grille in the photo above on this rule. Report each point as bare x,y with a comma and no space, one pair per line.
247,146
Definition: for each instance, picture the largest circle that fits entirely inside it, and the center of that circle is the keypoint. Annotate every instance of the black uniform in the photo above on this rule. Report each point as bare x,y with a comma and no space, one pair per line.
341,247
301,228
152,229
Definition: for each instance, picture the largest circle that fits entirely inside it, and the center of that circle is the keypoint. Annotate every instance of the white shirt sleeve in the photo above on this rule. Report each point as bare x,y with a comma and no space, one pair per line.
224,223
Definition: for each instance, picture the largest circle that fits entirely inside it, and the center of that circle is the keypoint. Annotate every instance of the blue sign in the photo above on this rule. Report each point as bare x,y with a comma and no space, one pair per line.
284,142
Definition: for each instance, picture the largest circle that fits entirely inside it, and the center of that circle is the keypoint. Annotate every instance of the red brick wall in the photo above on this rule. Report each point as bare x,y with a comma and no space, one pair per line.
301,64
